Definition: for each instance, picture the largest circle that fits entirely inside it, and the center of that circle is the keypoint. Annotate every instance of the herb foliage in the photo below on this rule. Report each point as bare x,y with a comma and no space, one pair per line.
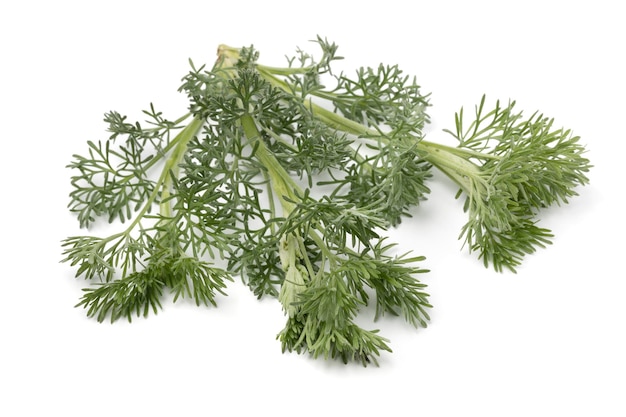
293,183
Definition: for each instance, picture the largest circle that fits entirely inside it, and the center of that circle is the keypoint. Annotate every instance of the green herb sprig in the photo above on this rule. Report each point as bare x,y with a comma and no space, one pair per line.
293,183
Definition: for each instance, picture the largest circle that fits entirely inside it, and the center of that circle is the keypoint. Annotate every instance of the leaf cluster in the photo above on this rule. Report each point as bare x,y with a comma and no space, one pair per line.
114,181
524,164
340,264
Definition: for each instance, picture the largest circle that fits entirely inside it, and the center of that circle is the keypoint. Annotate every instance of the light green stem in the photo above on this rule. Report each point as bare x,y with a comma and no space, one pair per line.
453,161
163,184
281,182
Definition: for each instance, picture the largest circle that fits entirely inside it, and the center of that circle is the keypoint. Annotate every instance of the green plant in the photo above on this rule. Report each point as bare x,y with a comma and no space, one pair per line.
293,184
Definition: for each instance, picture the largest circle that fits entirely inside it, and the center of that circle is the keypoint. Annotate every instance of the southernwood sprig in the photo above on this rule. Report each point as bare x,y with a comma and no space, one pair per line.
291,175
509,167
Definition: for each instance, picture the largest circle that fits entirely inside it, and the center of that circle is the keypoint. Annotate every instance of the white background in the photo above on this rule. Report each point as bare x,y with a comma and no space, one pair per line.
547,341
